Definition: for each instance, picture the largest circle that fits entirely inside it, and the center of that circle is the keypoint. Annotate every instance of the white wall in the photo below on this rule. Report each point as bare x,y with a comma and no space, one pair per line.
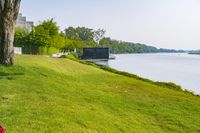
18,50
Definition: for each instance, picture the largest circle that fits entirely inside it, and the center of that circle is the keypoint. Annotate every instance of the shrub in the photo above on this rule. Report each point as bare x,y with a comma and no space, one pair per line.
72,56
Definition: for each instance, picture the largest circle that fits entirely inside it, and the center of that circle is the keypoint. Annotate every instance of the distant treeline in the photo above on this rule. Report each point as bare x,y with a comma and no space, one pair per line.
129,47
46,38
193,52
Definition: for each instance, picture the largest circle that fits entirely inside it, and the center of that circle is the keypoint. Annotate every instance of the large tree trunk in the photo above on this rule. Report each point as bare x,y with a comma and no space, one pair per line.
6,42
8,14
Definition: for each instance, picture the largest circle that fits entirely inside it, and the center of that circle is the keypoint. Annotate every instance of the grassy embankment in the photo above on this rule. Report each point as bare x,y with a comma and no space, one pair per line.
41,94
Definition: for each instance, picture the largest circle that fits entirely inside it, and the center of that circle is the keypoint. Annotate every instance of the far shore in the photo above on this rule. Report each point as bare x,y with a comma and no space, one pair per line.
197,53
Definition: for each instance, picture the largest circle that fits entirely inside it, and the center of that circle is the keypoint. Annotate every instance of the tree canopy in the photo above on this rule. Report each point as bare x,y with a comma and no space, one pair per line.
46,38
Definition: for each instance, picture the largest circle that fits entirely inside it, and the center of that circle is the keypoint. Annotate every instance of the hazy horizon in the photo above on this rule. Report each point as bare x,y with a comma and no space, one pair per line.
173,24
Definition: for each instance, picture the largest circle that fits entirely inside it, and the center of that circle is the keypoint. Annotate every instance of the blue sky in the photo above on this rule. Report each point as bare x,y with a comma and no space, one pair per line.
161,23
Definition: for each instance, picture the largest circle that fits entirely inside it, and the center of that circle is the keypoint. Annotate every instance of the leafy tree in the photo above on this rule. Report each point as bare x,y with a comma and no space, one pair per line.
44,38
85,34
48,26
105,41
70,45
99,34
20,37
82,34
71,33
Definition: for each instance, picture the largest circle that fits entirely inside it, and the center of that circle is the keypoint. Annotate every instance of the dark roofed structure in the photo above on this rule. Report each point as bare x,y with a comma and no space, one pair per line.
95,53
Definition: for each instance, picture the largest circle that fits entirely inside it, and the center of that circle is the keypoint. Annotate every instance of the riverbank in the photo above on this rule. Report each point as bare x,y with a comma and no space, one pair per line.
181,69
169,85
41,94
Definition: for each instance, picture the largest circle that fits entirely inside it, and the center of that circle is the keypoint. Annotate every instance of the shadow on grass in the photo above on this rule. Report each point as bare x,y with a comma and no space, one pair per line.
9,76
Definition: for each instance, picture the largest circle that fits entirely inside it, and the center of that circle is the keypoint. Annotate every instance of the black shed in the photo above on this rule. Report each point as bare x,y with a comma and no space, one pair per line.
95,53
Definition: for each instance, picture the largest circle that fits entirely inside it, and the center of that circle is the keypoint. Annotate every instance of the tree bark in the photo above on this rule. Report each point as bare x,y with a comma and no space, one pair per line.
9,10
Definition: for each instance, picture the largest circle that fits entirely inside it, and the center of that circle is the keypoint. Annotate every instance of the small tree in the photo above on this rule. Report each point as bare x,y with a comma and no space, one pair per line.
9,10
99,34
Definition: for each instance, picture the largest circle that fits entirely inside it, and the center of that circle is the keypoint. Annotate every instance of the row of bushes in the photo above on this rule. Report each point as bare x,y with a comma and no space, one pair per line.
42,50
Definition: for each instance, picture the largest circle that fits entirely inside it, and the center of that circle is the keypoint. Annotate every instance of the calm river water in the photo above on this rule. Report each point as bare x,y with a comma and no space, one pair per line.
182,69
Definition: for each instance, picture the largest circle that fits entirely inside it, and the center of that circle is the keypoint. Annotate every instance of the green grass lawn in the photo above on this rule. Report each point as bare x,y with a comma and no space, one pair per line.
46,95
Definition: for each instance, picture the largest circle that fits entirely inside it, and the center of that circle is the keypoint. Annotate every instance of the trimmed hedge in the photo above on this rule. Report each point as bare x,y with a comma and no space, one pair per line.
39,50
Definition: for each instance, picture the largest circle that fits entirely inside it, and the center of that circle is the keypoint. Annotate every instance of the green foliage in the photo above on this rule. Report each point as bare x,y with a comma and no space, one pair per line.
82,34
70,45
72,56
106,41
119,47
47,50
20,37
71,33
48,27
46,38
99,34
127,47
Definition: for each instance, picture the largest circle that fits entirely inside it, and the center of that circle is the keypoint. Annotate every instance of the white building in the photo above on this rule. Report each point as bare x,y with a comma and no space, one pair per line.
23,23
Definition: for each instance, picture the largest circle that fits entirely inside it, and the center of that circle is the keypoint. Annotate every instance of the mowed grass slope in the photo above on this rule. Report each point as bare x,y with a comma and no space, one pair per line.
46,95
